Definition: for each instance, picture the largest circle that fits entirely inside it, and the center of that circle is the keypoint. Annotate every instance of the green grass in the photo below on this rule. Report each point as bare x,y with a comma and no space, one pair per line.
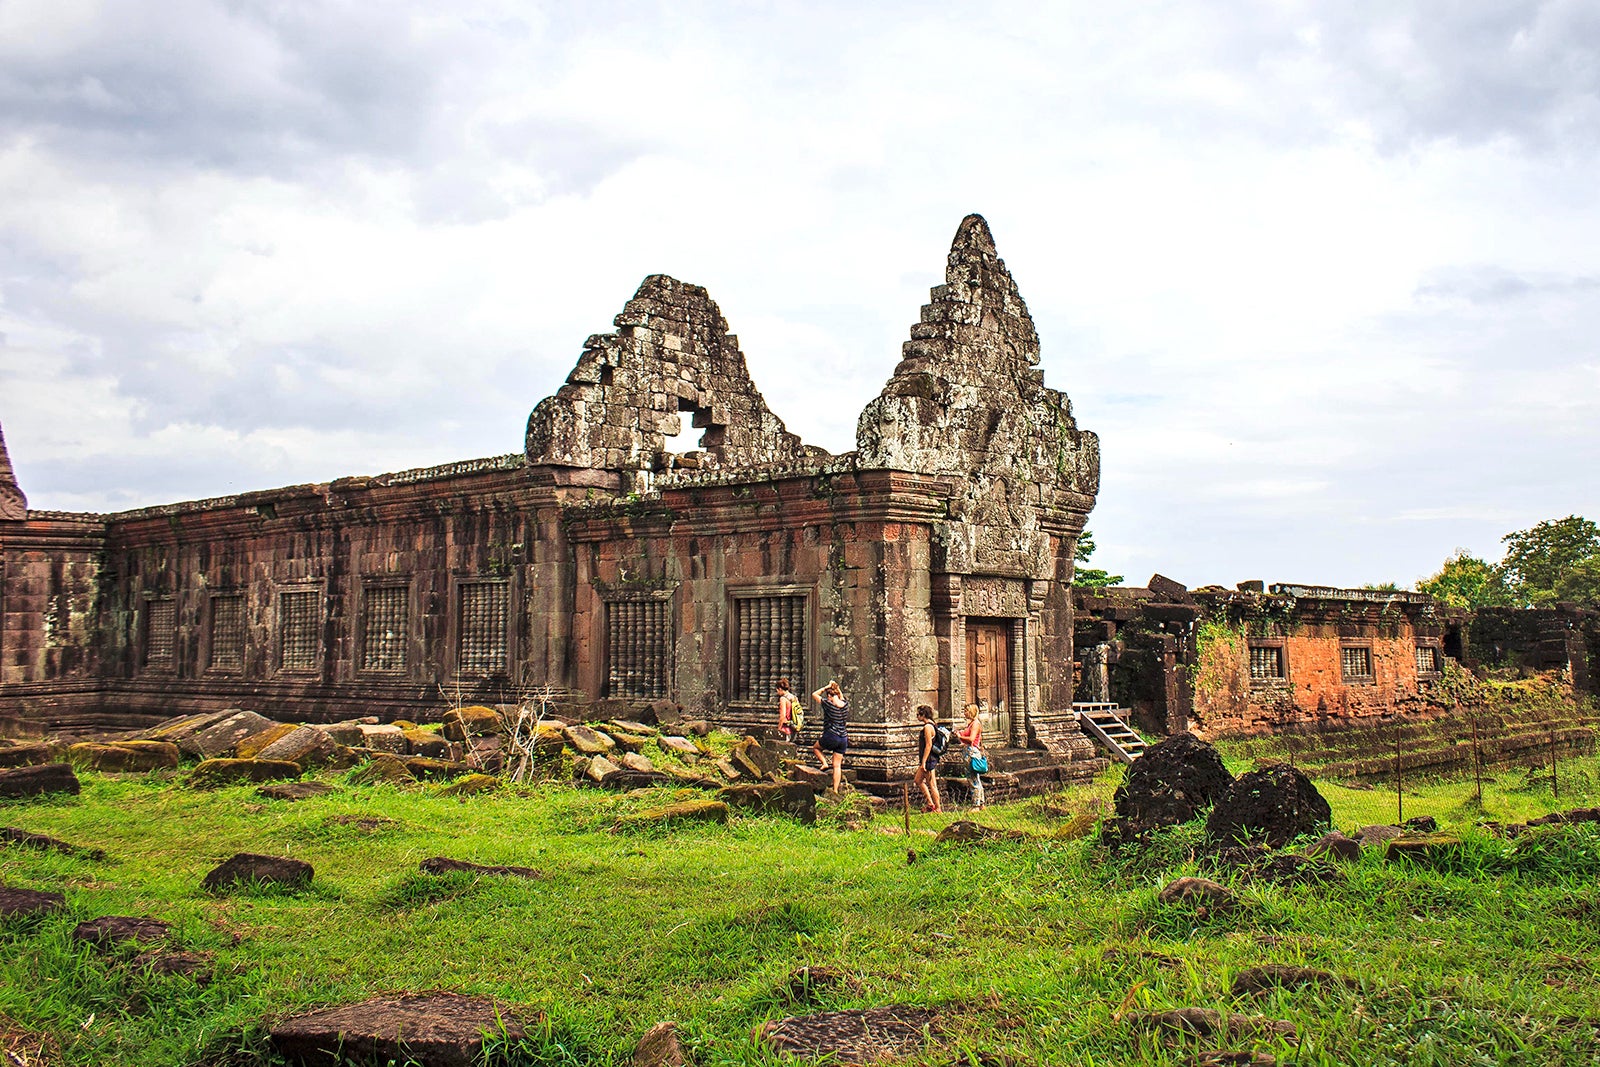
1032,949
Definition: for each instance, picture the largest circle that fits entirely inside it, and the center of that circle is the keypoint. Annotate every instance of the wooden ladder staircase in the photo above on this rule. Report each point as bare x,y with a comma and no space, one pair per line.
1106,727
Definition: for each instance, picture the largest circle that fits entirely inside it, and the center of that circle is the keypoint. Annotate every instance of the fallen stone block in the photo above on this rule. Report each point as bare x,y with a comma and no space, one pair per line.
384,738
294,790
124,757
1201,891
634,761
18,904
795,799
248,868
383,767
679,746
1422,848
222,736
469,785
967,832
344,733
755,761
40,780
659,1047
1204,1022
598,769
857,1036
698,727
424,769
12,835
216,773
250,747
24,755
589,742
728,769
304,745
684,811
109,931
639,729
180,728
195,966
425,743
1290,869
425,1029
1270,976
1337,846
443,865
463,724
663,713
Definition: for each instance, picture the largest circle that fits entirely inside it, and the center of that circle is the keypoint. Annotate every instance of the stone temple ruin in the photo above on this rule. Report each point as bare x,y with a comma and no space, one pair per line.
933,564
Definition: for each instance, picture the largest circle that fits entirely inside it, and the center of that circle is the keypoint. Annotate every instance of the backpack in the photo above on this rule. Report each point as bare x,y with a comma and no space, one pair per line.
941,739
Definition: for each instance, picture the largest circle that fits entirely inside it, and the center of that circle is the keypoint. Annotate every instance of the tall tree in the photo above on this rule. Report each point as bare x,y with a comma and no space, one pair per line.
1090,577
1465,581
1550,557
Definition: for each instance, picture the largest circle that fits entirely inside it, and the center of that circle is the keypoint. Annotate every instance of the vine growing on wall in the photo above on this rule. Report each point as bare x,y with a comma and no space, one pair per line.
1208,635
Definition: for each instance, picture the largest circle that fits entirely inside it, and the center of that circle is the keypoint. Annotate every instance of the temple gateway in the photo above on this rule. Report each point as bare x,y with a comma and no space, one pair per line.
933,564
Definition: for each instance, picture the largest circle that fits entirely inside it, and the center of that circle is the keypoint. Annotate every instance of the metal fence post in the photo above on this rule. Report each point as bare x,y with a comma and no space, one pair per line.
1477,761
1399,798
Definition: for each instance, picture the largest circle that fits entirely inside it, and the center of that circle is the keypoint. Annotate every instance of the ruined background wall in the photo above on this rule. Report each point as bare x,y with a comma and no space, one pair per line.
672,353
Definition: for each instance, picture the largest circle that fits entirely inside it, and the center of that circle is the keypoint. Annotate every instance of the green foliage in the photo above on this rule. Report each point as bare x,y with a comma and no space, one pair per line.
1090,577
1465,581
1554,560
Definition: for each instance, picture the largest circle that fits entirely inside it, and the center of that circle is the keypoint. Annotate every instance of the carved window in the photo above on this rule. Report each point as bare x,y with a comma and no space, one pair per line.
299,629
1355,663
227,632
385,621
769,643
637,646
160,633
482,628
1427,659
1267,663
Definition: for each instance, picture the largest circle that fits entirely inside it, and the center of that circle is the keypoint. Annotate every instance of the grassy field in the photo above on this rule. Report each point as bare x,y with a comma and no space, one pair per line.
1034,949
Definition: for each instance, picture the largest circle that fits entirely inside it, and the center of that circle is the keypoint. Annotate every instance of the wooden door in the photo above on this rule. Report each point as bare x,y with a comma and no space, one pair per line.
989,677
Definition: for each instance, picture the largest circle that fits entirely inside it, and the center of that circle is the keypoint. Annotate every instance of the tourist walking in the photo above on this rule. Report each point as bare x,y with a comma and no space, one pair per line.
977,759
934,738
835,720
791,716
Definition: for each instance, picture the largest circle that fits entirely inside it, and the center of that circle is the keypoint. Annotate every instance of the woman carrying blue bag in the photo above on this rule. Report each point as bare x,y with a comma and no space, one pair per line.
977,762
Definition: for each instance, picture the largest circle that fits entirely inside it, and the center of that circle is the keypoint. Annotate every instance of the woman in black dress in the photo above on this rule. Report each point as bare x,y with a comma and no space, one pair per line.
835,719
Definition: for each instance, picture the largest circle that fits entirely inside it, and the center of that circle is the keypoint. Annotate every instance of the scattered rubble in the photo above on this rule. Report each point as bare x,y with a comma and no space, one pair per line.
443,865
1173,782
1267,977
40,780
1271,805
859,1036
426,1029
11,835
16,904
248,868
109,932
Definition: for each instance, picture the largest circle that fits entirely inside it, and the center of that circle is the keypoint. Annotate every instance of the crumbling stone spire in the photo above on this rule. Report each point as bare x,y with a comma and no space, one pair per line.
672,355
13,505
968,395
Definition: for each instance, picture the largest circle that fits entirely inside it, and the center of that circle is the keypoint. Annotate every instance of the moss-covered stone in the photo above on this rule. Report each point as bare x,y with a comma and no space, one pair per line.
213,773
251,746
685,811
470,785
124,756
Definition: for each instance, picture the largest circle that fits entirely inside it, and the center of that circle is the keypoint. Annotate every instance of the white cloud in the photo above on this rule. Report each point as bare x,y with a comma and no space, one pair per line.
1322,278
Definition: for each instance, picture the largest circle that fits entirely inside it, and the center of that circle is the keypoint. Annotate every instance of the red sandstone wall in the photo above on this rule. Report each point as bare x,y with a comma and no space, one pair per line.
1226,701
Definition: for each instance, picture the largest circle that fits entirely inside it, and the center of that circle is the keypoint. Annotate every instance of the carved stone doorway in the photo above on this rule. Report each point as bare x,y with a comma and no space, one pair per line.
989,676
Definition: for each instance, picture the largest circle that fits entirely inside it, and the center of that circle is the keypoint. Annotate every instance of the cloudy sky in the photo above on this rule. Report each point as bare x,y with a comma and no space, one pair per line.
1325,278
